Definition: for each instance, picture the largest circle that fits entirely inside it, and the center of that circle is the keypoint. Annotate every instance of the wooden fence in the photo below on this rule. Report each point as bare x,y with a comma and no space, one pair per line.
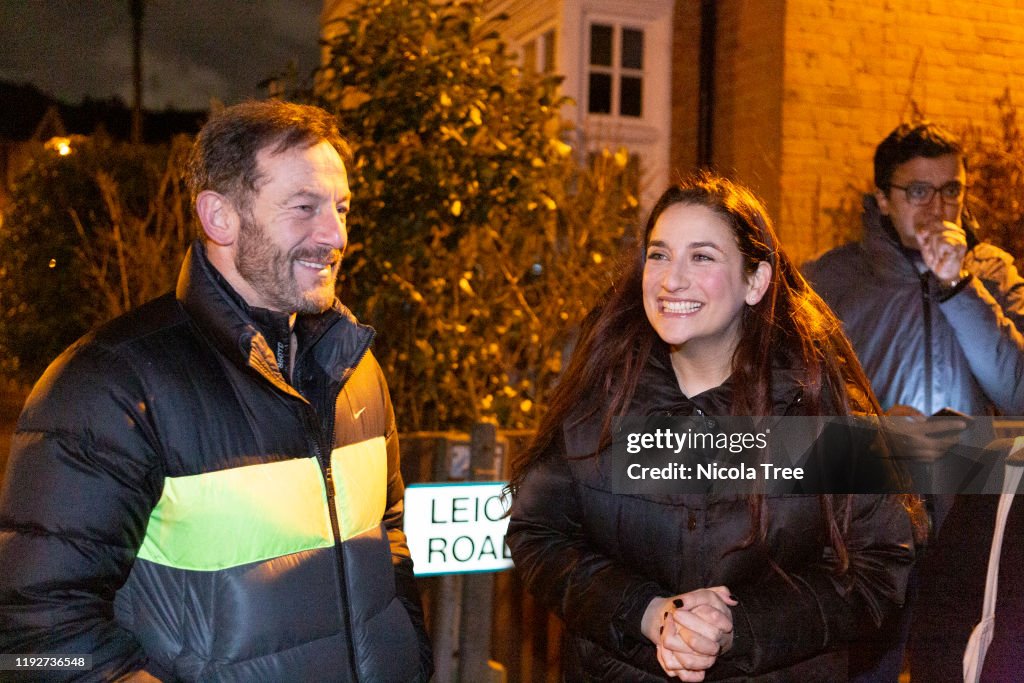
524,638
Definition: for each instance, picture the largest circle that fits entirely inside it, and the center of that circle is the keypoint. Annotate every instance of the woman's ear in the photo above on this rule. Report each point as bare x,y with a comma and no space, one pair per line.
218,217
757,283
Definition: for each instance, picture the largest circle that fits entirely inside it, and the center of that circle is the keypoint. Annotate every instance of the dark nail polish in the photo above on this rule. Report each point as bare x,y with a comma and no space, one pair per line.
733,598
661,629
678,603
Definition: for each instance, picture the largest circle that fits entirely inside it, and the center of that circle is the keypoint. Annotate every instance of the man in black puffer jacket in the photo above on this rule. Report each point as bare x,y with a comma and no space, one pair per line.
208,487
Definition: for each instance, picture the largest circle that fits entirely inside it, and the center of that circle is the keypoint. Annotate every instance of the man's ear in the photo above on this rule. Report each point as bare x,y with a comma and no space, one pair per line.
757,283
218,216
883,201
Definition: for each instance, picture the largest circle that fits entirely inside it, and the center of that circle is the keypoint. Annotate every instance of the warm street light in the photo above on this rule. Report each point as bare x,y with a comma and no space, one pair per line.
60,145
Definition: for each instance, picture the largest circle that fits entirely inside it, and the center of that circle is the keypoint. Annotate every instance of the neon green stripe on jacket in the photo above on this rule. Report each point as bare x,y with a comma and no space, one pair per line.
248,514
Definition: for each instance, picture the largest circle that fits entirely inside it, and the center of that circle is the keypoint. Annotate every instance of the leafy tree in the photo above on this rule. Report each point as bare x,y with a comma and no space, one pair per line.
996,176
86,236
478,240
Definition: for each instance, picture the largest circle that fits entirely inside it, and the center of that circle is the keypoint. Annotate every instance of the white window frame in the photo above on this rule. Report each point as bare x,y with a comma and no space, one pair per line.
616,70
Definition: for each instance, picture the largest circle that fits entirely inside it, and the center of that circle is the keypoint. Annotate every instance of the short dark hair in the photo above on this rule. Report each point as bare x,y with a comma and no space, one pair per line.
223,157
911,140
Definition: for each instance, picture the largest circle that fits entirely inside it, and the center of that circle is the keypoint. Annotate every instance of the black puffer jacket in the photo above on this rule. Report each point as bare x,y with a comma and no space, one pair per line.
171,503
598,558
965,352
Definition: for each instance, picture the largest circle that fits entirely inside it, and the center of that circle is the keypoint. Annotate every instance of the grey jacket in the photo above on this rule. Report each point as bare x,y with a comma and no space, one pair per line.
965,352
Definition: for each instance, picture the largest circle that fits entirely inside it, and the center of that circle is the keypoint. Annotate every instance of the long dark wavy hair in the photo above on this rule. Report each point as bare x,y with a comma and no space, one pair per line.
617,340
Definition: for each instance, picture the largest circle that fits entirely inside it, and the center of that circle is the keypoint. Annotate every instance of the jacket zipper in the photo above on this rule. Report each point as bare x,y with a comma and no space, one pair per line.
322,444
927,317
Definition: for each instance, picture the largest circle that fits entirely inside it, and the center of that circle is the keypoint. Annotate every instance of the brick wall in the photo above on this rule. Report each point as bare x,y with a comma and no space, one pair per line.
852,69
685,85
748,95
805,90
747,107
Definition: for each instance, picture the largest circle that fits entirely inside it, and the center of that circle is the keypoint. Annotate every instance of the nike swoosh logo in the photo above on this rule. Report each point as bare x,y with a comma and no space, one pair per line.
358,413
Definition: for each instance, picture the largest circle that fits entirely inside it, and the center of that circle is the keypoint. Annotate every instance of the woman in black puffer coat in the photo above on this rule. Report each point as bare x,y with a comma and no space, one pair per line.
710,319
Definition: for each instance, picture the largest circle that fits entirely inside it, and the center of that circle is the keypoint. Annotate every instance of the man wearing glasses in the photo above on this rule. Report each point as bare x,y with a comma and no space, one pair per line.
934,314
936,317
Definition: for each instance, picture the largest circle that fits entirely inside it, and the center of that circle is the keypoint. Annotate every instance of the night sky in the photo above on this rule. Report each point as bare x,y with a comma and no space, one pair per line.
192,50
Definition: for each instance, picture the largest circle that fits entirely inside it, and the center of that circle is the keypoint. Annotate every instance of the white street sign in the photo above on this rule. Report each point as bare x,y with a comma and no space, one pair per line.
456,527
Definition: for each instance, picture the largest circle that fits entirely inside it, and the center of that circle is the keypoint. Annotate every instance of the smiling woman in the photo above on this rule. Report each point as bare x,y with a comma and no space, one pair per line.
695,286
710,318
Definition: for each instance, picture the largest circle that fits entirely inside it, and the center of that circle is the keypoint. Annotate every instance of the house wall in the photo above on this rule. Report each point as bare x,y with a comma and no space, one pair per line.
804,90
526,19
748,94
747,102
853,69
685,85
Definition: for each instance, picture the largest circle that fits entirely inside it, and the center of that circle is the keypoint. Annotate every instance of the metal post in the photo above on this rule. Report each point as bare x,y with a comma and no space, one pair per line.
447,607
478,589
137,10
447,603
706,95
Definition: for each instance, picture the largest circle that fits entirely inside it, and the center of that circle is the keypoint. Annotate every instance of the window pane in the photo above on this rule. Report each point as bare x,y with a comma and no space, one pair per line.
600,45
530,56
632,49
600,99
631,97
549,51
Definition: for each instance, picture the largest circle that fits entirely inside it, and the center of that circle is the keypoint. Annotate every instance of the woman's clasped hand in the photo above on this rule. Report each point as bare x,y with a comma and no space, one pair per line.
690,630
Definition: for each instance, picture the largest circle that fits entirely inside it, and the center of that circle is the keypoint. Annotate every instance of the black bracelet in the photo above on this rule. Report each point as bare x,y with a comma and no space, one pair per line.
947,291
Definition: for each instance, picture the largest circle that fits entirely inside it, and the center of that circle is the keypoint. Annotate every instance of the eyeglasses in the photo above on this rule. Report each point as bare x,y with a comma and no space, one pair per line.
920,194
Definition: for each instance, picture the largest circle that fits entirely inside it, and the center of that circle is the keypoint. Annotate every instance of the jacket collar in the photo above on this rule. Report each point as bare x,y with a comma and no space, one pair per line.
659,395
662,395
336,340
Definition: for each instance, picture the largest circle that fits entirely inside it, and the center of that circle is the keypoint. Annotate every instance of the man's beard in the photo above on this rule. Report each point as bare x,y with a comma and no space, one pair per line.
271,271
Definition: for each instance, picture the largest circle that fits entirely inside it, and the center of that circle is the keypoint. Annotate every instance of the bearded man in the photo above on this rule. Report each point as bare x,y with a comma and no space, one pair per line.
208,487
